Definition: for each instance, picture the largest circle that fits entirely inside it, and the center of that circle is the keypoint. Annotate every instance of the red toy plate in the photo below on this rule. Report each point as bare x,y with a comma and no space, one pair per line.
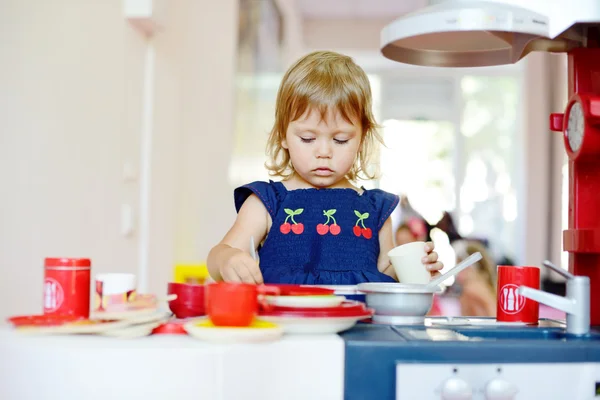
346,306
346,309
45,320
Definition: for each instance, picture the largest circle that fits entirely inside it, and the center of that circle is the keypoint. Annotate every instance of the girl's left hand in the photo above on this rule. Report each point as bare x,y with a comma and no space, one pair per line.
430,261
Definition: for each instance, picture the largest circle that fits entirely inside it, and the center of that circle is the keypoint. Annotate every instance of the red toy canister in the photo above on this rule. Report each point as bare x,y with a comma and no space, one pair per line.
511,306
67,286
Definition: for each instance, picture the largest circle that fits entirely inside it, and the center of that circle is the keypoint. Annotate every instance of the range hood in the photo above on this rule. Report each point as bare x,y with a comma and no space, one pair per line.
471,33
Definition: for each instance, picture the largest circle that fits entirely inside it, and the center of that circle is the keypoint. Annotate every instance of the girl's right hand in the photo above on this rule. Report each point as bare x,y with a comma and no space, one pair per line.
241,267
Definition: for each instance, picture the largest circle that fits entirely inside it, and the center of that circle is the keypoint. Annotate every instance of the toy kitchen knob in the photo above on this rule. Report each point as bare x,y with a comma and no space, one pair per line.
456,389
499,389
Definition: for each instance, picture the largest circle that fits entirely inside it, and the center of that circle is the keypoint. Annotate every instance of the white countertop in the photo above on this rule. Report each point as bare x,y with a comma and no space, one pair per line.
169,367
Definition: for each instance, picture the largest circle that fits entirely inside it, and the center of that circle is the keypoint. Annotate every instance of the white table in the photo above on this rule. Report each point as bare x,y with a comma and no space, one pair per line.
169,367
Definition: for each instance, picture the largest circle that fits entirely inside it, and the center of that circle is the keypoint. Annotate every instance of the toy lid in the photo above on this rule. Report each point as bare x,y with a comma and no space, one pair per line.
67,262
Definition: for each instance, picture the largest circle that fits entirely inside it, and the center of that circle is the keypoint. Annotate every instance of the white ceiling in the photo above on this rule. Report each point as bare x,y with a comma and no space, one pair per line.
357,9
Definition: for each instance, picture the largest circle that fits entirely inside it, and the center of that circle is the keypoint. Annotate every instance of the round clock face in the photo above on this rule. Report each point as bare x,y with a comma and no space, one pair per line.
575,127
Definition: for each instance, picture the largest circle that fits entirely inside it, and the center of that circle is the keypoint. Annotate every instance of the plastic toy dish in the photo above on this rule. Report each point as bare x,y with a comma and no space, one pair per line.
189,301
258,331
346,309
305,301
314,326
302,290
170,328
44,320
318,321
131,332
350,292
341,289
49,324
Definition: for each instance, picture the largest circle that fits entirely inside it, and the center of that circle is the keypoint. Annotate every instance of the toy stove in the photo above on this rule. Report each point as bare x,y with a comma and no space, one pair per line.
441,358
470,358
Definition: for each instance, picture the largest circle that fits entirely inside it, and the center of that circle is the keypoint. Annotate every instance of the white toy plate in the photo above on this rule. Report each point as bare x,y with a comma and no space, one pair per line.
133,331
306,301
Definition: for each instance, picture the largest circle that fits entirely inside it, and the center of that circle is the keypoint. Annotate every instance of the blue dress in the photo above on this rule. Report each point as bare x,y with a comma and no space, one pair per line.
320,236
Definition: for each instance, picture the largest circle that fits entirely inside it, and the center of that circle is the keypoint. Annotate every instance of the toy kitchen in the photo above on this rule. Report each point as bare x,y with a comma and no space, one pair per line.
396,354
440,359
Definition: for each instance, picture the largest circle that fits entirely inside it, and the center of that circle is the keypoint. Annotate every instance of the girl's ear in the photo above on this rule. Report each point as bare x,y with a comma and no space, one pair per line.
284,143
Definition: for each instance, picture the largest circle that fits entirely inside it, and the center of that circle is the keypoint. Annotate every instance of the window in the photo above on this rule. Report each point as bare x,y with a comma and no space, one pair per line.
490,144
468,165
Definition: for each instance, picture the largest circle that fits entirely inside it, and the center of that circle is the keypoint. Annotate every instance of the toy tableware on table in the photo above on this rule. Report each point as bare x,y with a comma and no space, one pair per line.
67,286
113,290
305,301
235,304
511,306
257,331
318,320
190,299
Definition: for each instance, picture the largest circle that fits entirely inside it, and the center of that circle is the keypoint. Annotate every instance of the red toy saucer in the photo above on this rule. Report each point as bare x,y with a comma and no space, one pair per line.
346,309
45,320
346,306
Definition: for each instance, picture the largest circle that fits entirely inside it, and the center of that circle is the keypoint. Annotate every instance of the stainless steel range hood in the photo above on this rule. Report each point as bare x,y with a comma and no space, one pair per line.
469,33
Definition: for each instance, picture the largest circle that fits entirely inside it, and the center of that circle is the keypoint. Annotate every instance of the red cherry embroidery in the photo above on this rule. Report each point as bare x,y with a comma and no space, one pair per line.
322,229
297,228
334,229
285,228
366,232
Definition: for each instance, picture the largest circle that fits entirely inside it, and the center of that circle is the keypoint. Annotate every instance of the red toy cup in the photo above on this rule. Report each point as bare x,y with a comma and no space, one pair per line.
189,301
235,304
511,306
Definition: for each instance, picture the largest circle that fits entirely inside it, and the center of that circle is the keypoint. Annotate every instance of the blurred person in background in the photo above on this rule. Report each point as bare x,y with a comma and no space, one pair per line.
446,224
414,228
476,285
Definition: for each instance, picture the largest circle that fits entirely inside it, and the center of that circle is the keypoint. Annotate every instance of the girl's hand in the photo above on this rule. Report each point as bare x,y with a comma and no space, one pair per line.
430,261
241,267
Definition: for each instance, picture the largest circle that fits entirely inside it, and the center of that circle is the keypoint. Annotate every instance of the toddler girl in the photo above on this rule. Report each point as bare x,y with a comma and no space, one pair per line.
314,226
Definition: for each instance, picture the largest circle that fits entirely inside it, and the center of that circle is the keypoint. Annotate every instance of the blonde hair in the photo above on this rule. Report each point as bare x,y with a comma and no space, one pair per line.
486,268
323,80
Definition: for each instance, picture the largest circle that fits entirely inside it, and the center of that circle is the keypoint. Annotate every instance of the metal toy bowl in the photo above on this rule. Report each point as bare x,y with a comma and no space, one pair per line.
398,299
